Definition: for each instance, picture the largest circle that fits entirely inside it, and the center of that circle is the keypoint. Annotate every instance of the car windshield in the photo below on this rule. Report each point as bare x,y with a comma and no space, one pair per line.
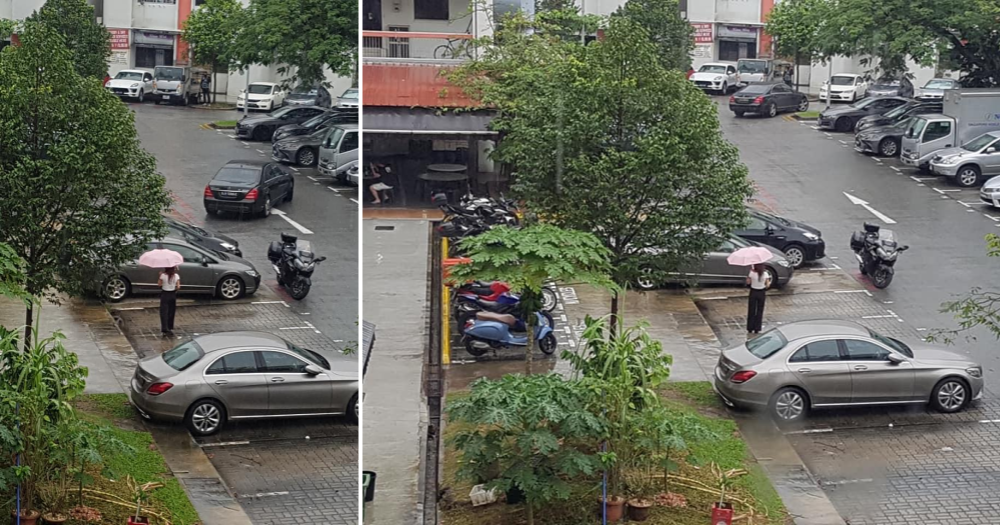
842,81
740,242
767,343
315,121
350,93
309,355
260,89
181,225
751,66
278,113
128,75
712,68
979,142
864,103
939,84
168,73
886,84
775,218
902,124
237,174
897,112
916,128
891,343
305,90
182,356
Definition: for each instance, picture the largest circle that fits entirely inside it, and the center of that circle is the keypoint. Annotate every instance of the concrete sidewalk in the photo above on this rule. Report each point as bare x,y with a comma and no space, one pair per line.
675,320
93,336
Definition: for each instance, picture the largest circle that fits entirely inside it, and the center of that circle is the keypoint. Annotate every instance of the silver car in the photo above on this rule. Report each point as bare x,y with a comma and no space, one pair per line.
831,363
715,269
215,378
204,271
934,88
974,162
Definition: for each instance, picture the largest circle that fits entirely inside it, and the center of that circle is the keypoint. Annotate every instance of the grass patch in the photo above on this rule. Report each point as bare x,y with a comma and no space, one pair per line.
684,398
144,464
224,124
810,115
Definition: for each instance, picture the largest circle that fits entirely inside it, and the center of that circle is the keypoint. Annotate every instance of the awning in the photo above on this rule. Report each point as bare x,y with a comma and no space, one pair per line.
367,342
421,121
153,39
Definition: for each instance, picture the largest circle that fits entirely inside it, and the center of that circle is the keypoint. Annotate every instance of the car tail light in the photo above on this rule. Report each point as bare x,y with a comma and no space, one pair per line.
742,376
252,195
732,99
758,100
208,191
156,389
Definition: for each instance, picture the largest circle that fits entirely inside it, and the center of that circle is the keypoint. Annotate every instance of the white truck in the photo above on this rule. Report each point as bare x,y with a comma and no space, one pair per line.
176,84
966,114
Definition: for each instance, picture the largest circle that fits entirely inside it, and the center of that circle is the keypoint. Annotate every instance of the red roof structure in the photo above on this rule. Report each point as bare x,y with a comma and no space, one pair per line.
411,85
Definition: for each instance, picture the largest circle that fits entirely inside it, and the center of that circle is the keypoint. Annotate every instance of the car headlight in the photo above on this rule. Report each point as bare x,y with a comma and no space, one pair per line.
949,161
252,273
810,236
228,247
718,79
135,85
782,262
975,371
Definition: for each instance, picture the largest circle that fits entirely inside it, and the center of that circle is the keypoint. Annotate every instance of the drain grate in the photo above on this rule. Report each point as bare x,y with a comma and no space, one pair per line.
384,228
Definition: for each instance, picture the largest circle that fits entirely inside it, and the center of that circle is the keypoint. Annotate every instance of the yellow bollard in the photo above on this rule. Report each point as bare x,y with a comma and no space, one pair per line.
445,309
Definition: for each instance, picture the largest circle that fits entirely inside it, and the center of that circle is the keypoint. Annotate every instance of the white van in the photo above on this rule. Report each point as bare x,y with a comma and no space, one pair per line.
339,151
176,84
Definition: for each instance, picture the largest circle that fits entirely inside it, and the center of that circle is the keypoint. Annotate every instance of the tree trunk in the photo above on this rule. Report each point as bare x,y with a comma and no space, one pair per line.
614,313
531,514
29,317
215,78
529,350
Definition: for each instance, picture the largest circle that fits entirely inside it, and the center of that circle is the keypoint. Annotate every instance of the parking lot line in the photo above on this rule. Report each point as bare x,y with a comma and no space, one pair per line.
224,444
331,188
294,224
355,201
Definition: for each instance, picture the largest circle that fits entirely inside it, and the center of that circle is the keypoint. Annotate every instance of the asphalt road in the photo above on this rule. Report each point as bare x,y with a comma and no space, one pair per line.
804,173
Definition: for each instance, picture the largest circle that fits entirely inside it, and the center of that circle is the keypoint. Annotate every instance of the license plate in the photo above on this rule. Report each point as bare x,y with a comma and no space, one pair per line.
228,193
166,97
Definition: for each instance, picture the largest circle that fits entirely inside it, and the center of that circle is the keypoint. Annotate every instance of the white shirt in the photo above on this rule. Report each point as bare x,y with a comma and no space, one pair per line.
759,281
169,282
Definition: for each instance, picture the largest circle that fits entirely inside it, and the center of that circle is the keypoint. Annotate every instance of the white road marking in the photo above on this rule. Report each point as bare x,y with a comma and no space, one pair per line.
815,127
712,298
964,204
860,202
921,179
331,188
268,302
989,420
825,268
847,481
850,291
863,317
310,177
296,328
992,218
133,308
244,143
876,159
894,168
260,151
310,325
812,431
264,494
355,201
296,170
224,444
942,192
294,224
842,141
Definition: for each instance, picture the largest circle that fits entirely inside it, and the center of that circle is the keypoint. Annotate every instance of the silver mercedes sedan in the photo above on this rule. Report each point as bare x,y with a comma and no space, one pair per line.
830,363
214,378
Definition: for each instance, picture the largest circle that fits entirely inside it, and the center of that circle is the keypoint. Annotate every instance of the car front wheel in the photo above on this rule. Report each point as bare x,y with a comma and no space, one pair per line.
206,417
950,395
888,148
968,176
795,255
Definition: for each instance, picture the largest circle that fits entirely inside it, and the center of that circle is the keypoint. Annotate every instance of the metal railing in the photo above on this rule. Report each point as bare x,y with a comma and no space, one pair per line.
416,45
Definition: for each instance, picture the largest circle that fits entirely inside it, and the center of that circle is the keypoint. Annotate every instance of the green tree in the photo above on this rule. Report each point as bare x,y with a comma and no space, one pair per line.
530,432
303,36
12,276
79,195
88,41
527,258
639,158
673,35
212,32
795,25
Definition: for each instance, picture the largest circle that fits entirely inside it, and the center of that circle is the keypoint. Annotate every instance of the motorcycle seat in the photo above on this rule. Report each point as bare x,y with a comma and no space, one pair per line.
481,290
506,319
490,304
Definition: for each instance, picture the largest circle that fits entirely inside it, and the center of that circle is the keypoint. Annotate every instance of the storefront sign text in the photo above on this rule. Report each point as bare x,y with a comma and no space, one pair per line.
703,33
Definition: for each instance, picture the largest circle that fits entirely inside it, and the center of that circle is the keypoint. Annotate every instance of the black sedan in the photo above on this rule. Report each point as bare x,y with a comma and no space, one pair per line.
261,127
202,238
898,114
843,118
882,140
302,149
248,187
321,121
767,99
798,241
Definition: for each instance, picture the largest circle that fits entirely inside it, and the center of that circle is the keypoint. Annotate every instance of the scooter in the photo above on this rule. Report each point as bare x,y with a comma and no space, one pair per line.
468,304
490,330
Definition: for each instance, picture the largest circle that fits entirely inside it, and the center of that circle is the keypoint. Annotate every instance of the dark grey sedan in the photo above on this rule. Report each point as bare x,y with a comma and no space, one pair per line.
843,118
715,269
302,149
203,272
201,237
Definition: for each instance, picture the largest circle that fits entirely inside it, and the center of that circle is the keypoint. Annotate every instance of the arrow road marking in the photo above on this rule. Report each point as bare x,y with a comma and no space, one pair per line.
883,217
294,224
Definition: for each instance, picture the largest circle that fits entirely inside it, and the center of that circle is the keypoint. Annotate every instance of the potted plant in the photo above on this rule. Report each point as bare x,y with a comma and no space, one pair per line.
722,510
641,488
140,494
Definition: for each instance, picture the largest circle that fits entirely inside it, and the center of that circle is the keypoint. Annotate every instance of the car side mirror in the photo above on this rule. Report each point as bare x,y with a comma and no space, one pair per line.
204,260
769,230
313,370
895,359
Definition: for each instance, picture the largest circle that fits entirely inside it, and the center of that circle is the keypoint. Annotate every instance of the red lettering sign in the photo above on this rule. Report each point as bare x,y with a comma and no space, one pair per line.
119,38
703,33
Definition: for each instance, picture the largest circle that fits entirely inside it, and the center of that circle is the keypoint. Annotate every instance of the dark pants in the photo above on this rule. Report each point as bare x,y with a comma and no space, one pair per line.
755,310
205,96
168,307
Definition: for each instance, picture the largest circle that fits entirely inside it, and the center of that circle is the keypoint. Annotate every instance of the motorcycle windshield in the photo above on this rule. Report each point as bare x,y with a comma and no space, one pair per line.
887,238
305,249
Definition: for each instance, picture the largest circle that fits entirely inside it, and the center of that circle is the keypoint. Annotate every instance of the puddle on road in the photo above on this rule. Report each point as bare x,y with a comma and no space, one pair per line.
460,374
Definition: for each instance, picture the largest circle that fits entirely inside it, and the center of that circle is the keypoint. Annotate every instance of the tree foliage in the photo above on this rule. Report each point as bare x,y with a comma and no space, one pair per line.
212,31
673,35
78,193
303,36
88,41
603,138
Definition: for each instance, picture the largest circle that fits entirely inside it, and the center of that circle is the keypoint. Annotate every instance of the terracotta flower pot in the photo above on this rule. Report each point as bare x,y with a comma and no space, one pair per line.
638,509
54,518
28,517
616,508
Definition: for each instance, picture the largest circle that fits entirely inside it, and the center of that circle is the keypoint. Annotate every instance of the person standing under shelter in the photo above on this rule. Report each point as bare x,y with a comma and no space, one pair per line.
169,282
759,281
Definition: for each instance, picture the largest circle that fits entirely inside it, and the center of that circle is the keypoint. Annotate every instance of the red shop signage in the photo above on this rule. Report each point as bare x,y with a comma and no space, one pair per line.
119,38
703,33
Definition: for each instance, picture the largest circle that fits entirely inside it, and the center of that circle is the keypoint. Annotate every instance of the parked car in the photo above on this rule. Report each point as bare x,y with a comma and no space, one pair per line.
843,118
891,87
753,70
715,269
176,84
716,77
201,237
321,121
934,88
262,127
131,83
832,363
216,378
990,192
203,272
844,86
300,149
261,95
309,96
898,114
251,187
971,164
349,99
767,100
339,151
353,175
797,241
882,140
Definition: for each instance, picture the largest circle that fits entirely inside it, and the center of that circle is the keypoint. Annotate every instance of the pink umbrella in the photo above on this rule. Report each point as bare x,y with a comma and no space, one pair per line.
161,259
750,256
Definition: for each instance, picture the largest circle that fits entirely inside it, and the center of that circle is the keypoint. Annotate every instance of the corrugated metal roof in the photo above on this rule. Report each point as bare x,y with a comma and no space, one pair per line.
411,85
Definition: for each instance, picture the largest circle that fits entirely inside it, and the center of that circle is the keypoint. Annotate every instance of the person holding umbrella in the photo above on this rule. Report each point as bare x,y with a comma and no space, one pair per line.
759,280
169,282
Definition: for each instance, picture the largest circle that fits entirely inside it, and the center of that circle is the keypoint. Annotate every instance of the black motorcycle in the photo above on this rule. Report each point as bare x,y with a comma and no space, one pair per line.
876,251
294,262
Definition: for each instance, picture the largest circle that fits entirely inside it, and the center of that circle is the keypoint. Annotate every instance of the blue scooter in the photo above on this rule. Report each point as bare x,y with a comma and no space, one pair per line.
490,330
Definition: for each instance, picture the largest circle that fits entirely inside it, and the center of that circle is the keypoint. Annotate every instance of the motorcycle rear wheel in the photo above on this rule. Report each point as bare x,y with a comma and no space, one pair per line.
548,344
298,290
475,351
549,299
